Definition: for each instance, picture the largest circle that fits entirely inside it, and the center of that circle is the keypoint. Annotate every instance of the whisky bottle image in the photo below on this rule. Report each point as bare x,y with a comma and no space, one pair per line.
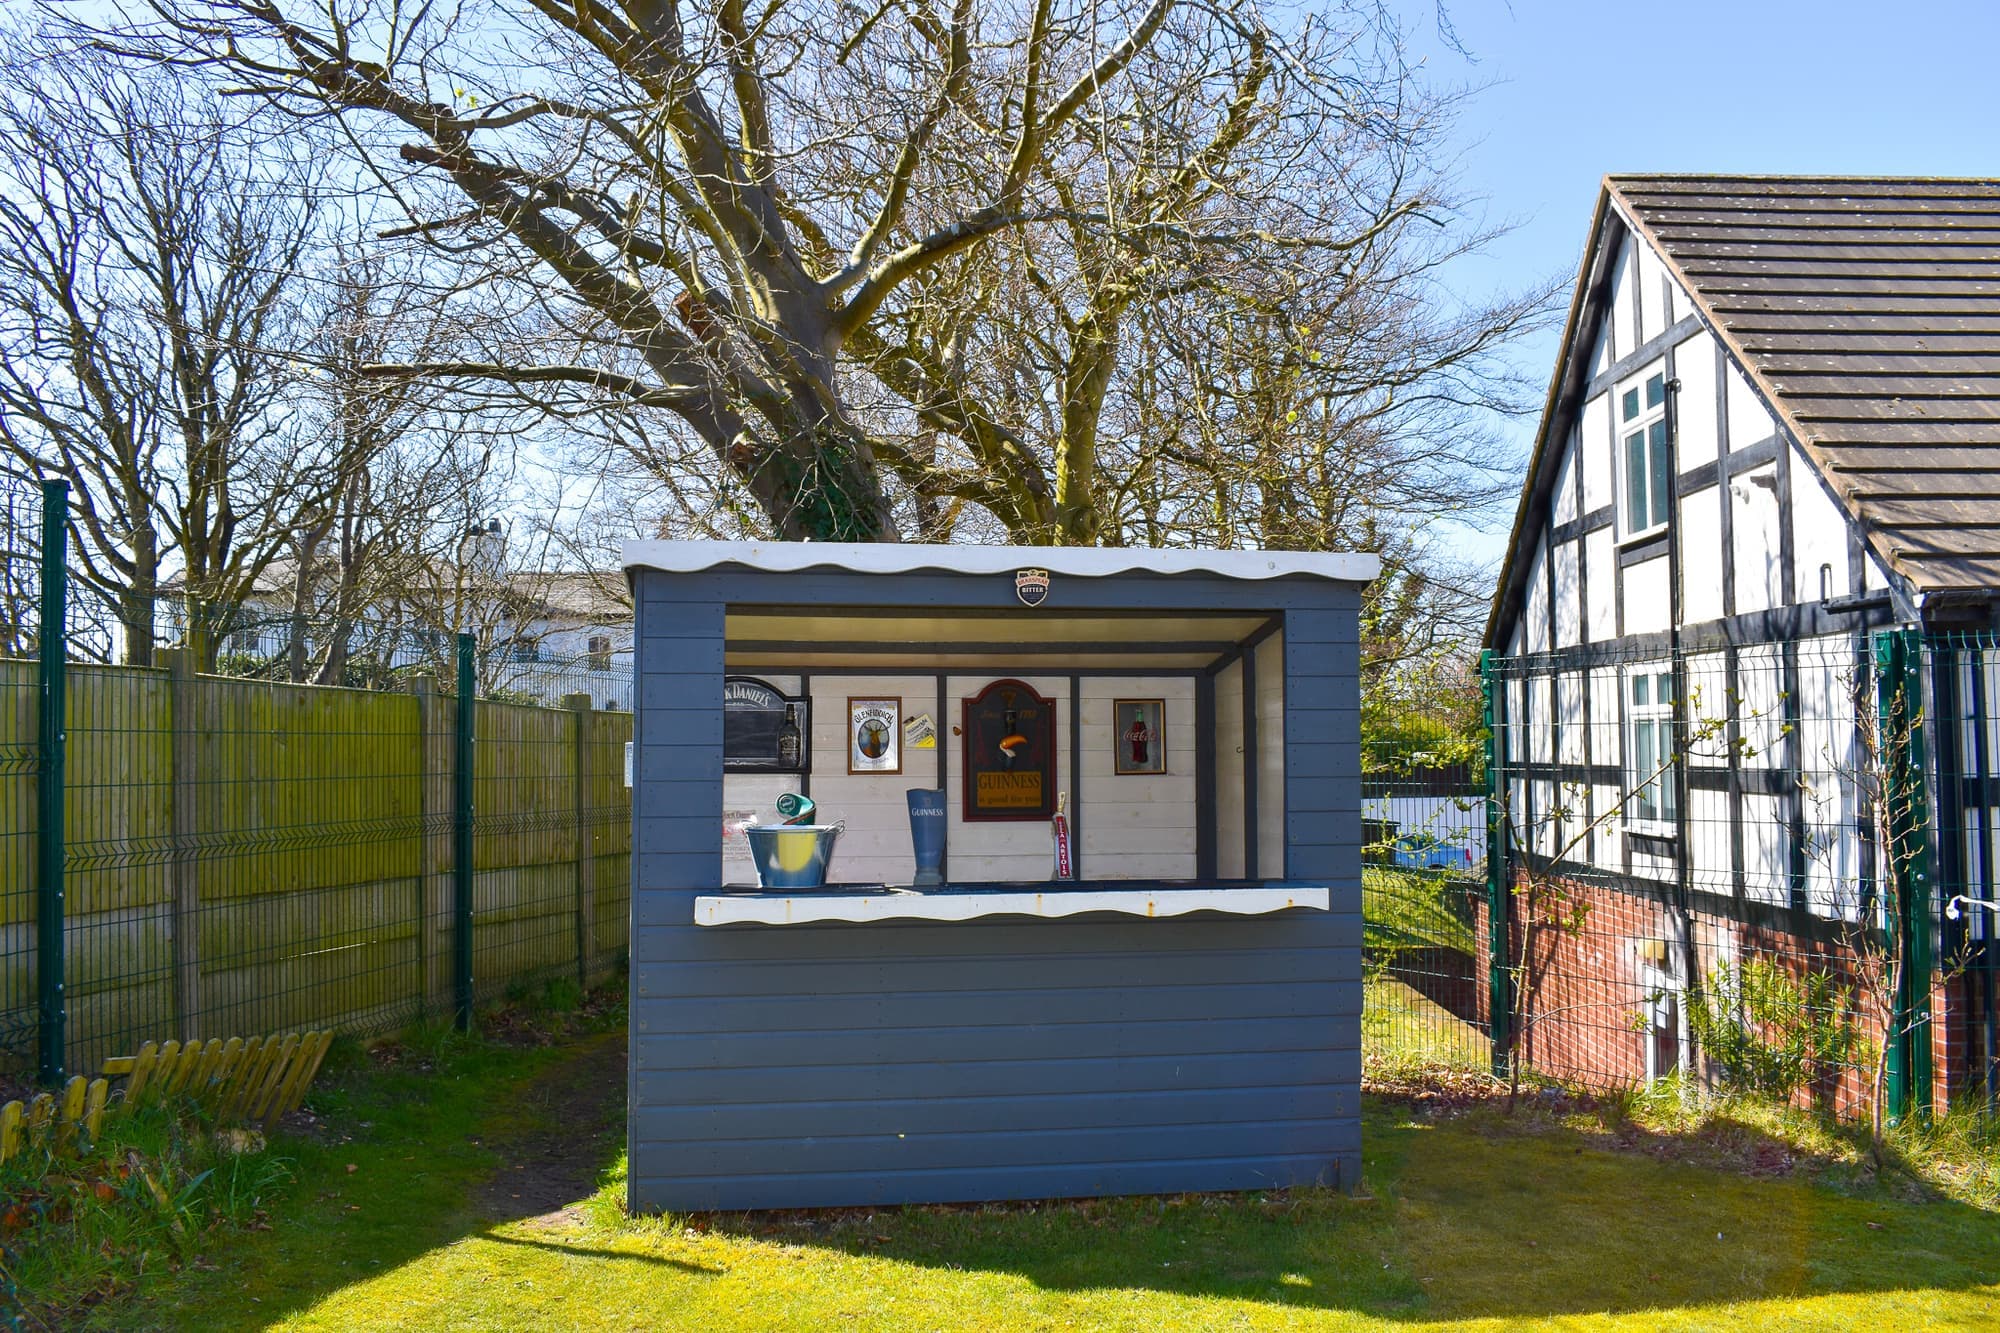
788,738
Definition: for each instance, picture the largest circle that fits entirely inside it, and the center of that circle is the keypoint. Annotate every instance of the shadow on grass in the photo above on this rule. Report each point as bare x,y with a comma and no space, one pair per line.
414,1148
1473,1215
1469,1219
616,1256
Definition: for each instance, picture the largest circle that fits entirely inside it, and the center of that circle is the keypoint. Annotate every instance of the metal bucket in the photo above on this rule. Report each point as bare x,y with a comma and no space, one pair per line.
792,856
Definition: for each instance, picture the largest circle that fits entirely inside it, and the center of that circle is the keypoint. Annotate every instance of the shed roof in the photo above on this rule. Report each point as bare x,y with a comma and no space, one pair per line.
1867,312
1074,561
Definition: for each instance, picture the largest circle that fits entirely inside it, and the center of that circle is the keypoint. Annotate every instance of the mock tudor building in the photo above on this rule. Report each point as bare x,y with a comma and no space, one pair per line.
1772,435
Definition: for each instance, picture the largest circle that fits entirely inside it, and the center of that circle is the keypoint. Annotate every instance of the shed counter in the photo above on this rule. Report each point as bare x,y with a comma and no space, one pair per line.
863,903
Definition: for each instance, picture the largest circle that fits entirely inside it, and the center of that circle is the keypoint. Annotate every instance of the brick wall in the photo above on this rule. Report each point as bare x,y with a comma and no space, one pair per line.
1595,1010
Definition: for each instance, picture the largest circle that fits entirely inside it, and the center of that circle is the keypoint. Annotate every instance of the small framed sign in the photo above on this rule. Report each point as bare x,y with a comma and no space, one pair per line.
1139,734
874,735
764,730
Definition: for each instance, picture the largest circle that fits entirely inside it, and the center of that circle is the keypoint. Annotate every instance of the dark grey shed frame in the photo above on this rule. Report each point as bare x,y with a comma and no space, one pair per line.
1008,1056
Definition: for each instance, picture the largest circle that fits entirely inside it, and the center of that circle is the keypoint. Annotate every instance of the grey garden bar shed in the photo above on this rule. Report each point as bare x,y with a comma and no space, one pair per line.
1180,1011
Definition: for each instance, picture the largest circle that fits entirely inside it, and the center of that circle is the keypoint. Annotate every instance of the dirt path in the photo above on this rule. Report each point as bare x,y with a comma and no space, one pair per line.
556,1135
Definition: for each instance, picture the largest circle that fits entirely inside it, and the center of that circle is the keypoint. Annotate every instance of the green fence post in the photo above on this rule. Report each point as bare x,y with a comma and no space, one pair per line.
1899,657
461,834
1500,988
52,643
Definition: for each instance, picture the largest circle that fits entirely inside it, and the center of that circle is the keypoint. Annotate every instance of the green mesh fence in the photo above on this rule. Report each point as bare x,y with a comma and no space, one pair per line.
1423,822
262,809
20,544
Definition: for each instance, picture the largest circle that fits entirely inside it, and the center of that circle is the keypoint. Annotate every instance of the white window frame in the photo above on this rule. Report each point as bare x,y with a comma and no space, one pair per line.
1649,737
1649,422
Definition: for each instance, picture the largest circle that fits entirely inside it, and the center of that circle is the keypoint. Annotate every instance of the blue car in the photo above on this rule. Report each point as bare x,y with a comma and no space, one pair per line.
1425,851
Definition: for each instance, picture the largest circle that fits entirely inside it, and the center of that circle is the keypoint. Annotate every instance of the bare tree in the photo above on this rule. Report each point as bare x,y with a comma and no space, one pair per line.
149,261
892,267
419,465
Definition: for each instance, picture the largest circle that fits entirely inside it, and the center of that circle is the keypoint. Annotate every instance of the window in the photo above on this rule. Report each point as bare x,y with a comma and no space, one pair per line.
1650,747
1644,455
526,650
600,652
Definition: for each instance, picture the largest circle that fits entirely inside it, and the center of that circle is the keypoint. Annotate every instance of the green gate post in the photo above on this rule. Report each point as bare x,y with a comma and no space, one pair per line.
1899,658
52,642
1500,988
461,834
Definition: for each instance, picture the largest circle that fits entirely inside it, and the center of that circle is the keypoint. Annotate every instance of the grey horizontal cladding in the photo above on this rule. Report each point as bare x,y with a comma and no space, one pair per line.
688,980
673,789
804,1086
677,762
674,833
669,652
1326,797
950,1048
679,692
1002,1113
831,590
1332,622
1306,688
1320,737
1048,1005
966,1184
900,1149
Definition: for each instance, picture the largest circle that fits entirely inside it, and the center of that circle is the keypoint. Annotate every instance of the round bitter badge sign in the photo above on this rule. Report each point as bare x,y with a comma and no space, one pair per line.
1031,586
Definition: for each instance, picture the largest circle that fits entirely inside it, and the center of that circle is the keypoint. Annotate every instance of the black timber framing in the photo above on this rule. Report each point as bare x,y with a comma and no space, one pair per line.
1676,600
1700,777
1075,815
894,649
1251,819
943,728
998,666
1783,624
1583,633
1749,629
1204,776
1772,916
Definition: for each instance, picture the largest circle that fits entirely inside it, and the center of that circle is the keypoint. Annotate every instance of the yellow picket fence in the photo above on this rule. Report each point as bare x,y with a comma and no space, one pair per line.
237,1080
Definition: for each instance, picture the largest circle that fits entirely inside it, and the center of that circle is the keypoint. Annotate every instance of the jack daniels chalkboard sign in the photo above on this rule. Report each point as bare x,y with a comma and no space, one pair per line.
1009,738
763,730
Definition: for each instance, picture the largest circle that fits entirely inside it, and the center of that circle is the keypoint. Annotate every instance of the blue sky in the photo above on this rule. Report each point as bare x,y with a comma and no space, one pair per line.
1579,90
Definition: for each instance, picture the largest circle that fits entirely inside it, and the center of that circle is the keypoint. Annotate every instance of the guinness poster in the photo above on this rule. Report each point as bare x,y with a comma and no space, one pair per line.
1009,764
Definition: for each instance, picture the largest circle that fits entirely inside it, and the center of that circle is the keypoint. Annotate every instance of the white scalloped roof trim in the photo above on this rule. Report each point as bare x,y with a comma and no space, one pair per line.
1076,561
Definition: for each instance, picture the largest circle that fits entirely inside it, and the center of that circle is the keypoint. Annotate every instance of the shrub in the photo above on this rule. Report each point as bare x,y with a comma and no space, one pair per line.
1769,1032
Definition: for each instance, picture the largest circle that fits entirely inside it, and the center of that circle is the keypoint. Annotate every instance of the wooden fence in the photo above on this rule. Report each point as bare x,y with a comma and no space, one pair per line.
244,855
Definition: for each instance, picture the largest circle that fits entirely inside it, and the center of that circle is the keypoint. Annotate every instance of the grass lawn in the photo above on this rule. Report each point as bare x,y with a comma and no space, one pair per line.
488,1199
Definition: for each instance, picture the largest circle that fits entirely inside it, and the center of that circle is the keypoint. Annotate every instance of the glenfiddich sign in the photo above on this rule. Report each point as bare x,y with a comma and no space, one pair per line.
1031,586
